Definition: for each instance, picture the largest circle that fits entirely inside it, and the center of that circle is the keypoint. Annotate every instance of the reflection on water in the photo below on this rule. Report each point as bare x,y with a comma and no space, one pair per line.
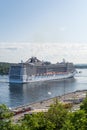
20,94
15,94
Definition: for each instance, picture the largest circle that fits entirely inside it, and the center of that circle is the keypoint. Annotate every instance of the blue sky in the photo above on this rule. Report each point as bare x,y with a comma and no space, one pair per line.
51,29
63,21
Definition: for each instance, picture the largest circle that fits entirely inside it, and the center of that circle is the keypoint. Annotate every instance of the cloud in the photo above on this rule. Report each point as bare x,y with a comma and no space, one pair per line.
10,46
53,52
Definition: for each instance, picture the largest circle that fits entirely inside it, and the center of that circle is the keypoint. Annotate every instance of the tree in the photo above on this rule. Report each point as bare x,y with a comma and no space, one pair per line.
4,68
75,121
57,115
5,115
83,106
5,112
37,121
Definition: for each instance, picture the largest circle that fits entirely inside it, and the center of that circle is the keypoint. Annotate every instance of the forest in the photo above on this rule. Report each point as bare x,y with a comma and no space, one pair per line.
4,68
57,117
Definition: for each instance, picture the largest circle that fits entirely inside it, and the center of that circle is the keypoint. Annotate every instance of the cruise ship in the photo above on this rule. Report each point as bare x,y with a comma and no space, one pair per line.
34,70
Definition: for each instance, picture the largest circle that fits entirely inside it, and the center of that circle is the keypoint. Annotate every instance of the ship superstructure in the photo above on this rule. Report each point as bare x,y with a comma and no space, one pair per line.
34,70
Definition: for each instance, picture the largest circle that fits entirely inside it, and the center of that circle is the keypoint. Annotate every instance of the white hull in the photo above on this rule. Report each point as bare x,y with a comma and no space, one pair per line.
32,79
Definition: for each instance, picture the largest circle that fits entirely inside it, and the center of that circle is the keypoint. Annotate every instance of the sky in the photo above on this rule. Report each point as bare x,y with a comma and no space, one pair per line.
49,29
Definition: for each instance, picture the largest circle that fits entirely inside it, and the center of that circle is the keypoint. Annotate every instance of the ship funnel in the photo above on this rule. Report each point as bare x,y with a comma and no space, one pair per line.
63,60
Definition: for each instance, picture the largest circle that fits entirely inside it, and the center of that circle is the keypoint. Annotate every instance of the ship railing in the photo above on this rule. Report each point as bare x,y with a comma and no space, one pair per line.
44,75
47,75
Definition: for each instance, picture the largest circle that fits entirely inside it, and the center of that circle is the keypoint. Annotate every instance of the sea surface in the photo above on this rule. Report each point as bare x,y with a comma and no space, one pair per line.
14,95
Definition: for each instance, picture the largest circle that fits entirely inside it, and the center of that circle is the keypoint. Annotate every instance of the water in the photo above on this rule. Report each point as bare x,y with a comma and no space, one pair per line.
15,94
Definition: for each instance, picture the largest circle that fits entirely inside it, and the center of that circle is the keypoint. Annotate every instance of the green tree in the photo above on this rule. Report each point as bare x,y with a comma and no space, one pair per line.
5,116
37,122
6,122
5,112
83,106
4,68
57,115
75,121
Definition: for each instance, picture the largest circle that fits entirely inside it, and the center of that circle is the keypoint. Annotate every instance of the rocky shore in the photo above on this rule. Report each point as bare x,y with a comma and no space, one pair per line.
75,98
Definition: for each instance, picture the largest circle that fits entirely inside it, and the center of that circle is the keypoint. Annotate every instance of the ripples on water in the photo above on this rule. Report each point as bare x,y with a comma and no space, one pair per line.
18,94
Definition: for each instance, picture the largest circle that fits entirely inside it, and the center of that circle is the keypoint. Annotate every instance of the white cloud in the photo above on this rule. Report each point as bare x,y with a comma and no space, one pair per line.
53,52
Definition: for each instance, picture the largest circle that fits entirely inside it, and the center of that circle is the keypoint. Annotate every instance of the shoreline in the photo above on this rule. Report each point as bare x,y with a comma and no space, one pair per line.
69,97
75,98
63,98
